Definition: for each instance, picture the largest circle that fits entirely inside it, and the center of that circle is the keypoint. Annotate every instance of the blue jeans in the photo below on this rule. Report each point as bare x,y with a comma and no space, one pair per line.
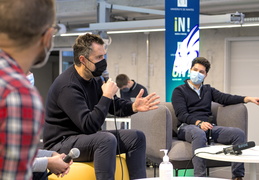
220,134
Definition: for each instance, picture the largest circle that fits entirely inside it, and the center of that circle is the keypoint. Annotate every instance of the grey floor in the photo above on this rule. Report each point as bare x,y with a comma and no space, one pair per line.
224,172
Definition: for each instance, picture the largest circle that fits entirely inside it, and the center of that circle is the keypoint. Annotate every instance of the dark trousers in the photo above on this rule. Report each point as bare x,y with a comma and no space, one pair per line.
40,176
220,134
101,148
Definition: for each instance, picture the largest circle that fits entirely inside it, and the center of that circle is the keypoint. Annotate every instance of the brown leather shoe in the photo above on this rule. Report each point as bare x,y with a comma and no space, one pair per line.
238,178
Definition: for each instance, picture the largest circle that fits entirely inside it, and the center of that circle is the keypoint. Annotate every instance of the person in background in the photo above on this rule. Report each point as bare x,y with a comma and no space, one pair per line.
77,104
129,89
45,159
192,105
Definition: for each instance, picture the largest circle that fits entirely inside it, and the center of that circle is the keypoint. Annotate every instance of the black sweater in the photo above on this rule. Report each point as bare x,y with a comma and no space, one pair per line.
76,106
189,107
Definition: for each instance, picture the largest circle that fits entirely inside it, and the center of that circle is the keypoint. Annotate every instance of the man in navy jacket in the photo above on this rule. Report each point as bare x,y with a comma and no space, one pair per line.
192,105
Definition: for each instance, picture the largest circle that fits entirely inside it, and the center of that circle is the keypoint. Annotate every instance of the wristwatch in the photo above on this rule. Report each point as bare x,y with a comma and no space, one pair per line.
199,124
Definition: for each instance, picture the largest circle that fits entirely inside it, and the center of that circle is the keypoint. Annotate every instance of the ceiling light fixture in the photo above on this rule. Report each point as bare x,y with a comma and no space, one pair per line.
202,26
135,31
75,34
220,26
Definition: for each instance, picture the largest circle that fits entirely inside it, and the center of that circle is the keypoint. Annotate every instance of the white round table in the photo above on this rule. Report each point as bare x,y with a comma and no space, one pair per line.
185,178
250,156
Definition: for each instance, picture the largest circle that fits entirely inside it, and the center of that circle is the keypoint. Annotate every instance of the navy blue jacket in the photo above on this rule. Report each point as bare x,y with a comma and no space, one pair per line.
189,107
133,92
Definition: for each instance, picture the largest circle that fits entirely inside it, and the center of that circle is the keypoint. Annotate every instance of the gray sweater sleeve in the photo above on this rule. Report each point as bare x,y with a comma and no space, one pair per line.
40,163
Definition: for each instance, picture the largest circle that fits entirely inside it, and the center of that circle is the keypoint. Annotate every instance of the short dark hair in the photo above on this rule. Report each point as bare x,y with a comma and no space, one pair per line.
83,45
26,21
203,61
122,80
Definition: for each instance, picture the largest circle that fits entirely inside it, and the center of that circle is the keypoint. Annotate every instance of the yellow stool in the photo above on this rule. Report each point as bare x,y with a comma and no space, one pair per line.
85,171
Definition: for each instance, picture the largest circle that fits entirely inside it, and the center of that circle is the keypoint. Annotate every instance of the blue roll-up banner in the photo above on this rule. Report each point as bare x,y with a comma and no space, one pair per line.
181,42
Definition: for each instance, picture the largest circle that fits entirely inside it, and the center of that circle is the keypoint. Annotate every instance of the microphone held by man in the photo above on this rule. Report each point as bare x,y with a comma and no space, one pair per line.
209,135
73,153
105,76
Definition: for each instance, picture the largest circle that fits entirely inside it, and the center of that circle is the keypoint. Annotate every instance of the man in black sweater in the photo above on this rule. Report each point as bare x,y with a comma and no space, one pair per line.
77,104
192,105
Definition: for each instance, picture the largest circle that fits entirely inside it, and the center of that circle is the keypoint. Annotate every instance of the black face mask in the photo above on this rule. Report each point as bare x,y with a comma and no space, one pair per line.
99,68
125,89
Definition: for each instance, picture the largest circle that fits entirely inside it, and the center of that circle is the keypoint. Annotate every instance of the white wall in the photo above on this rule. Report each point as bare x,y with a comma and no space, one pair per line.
242,75
212,46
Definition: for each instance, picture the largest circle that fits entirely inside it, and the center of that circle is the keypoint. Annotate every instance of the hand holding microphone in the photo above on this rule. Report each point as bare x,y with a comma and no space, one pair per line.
109,88
73,153
59,163
205,126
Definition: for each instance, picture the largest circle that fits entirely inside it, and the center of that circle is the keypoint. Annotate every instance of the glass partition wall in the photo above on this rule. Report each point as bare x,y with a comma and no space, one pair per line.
66,59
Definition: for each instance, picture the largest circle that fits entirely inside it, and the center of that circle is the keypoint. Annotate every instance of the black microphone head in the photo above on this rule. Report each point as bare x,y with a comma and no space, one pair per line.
74,153
251,143
105,75
247,145
210,119
236,149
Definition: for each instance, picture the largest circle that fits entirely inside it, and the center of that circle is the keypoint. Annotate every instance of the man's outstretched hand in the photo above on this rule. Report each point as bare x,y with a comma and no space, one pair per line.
252,100
145,103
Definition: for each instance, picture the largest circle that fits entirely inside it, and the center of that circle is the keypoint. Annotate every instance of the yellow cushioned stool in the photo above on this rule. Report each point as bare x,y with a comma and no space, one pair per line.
85,171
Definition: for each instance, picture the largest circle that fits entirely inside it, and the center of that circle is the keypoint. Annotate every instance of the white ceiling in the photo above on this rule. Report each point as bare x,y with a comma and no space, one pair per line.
81,13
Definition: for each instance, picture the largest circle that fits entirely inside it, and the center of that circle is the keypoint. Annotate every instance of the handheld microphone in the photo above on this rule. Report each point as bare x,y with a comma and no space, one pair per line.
209,138
236,149
105,76
73,153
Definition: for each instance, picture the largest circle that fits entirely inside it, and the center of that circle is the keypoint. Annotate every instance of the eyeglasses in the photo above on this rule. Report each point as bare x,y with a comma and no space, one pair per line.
56,28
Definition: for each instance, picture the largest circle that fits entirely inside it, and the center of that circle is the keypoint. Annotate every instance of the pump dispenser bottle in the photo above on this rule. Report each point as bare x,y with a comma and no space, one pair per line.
165,168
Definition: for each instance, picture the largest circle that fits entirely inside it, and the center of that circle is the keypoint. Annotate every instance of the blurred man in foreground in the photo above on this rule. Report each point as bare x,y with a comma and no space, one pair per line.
48,161
26,31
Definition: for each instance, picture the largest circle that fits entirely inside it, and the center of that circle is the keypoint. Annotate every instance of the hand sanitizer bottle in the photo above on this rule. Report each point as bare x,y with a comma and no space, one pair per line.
165,168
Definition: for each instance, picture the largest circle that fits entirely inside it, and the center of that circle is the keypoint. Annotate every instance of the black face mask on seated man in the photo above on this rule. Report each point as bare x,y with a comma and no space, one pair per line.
125,90
99,68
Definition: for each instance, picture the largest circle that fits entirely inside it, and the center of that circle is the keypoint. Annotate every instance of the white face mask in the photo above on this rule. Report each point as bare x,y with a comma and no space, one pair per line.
196,77
30,77
40,63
